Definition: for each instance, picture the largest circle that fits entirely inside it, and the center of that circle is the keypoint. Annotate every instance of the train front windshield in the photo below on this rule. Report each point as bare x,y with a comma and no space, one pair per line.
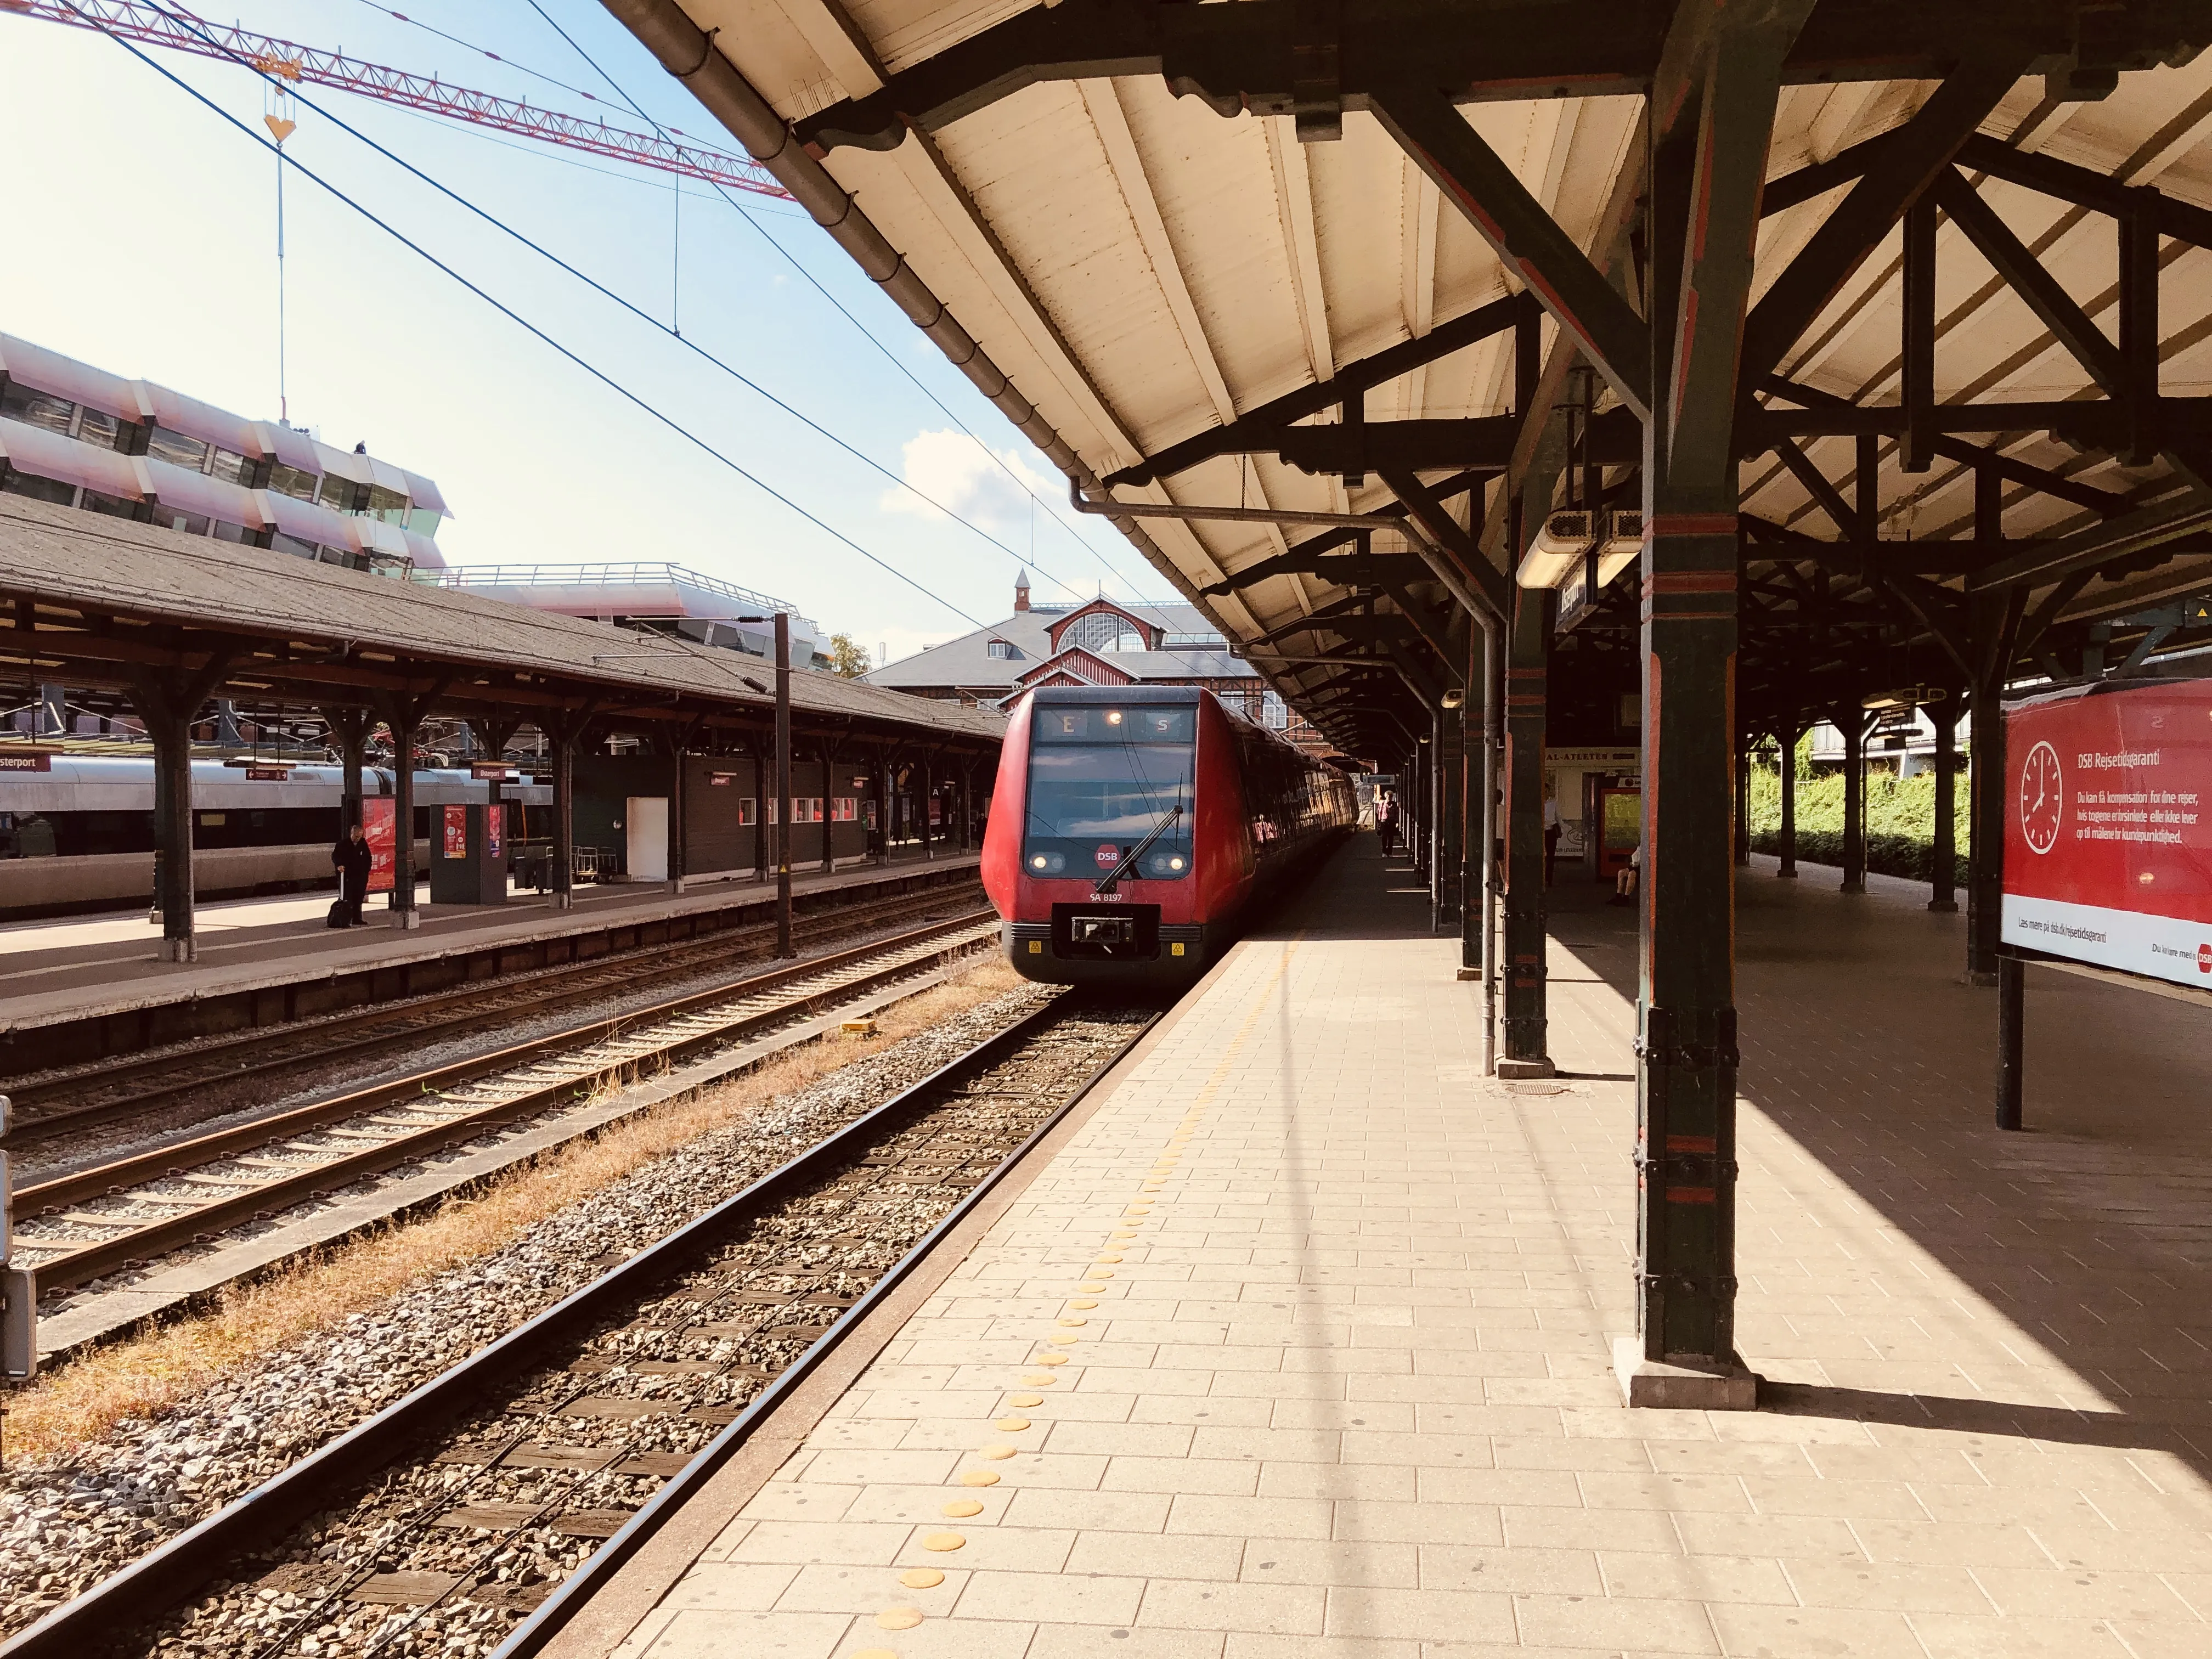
1100,780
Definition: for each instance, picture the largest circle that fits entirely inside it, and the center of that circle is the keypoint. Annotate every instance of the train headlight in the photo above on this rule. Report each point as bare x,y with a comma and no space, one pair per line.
1113,717
1038,862
1047,863
1174,863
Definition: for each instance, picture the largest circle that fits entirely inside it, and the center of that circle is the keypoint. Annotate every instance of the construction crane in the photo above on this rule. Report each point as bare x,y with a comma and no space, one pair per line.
290,61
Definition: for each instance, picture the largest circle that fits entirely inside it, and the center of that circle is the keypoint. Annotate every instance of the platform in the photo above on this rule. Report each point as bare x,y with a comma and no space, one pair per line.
1346,1392
76,968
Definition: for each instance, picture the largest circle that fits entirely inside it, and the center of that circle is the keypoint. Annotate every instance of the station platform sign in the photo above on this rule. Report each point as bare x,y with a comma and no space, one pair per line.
2108,828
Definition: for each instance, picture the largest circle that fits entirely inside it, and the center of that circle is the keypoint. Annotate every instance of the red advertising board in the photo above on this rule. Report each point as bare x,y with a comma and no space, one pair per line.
456,841
2108,828
376,826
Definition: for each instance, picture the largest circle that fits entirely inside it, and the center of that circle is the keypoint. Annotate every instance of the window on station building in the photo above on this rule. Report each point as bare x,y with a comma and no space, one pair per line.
35,408
343,495
846,809
235,532
1101,630
232,467
104,431
117,507
290,481
388,505
292,544
176,449
423,520
29,484
170,518
1004,651
1274,712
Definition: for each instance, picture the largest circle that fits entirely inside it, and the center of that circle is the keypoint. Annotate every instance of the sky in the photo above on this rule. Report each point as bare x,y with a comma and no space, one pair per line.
142,235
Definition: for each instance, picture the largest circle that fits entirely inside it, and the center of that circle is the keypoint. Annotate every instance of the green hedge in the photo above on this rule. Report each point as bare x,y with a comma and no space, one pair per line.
1900,821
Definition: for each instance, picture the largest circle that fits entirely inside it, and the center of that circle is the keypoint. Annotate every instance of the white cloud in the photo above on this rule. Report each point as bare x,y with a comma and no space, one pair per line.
958,473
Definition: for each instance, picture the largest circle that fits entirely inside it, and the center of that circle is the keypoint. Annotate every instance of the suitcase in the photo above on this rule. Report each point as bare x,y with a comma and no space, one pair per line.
340,916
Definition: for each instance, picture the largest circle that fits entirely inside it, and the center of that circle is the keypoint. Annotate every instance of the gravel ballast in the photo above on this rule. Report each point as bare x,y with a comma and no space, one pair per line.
66,1524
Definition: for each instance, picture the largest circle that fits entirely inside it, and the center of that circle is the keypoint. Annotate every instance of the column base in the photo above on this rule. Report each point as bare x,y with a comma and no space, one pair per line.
560,900
676,886
1474,973
1664,1386
1944,906
1526,1068
180,949
406,921
1785,875
1854,887
1972,977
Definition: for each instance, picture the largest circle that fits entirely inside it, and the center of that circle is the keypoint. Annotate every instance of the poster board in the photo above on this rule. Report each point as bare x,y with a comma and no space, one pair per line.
2108,838
377,829
454,843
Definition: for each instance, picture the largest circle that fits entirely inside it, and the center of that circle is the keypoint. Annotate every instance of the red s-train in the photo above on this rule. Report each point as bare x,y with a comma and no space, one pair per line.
1131,825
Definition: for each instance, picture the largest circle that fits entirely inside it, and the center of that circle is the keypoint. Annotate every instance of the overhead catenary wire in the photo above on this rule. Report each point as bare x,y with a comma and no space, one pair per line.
516,318
193,24
997,459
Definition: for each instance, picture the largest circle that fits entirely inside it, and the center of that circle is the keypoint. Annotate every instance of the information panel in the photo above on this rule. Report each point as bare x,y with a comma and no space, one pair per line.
2108,840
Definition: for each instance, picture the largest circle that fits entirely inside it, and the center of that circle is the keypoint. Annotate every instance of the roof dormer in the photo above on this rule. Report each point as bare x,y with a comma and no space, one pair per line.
1104,626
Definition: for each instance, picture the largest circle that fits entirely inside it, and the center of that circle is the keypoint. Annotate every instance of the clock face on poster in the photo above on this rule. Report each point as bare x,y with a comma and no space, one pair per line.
2042,798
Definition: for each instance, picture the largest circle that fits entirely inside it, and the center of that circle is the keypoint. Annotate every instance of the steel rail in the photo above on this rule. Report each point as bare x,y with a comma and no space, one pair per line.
458,997
157,1237
133,1597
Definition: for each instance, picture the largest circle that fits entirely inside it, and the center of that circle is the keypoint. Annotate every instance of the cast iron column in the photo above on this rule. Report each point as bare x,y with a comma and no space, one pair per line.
1945,875
1451,816
783,783
882,783
172,733
676,867
1787,841
1851,721
1474,841
1742,836
563,896
403,729
349,730
1525,1049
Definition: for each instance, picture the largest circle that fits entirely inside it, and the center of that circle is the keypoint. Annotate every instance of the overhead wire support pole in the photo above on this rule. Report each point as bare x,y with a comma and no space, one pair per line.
783,784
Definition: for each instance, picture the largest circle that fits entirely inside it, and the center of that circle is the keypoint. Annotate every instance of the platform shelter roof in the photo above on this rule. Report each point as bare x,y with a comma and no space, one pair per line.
1322,260
100,602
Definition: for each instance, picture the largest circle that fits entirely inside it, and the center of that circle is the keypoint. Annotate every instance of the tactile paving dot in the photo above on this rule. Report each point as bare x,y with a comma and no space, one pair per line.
1089,1287
1051,1359
961,1508
1011,1425
1126,1232
1111,1260
1042,1382
1025,1399
979,1478
875,1653
942,1541
921,1578
1073,1323
898,1618
1083,1302
998,1454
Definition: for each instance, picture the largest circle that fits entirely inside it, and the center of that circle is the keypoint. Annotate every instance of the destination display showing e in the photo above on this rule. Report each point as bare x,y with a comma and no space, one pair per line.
2108,838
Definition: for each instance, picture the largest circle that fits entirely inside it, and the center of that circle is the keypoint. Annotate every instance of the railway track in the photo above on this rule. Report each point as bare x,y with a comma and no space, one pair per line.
55,1102
83,1226
484,1507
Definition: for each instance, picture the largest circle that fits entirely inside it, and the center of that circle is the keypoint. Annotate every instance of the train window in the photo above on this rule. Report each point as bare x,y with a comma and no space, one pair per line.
1100,780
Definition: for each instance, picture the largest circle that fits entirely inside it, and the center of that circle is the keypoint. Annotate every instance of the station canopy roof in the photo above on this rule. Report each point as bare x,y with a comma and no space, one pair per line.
106,603
1209,243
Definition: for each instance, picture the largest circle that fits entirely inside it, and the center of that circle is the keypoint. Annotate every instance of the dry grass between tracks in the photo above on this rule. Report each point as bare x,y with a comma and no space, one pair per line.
143,1375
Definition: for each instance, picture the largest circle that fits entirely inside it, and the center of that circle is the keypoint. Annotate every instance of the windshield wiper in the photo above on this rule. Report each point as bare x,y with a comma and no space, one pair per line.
1109,884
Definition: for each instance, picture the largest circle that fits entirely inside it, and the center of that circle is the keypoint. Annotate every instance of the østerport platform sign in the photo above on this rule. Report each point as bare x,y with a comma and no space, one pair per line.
2108,828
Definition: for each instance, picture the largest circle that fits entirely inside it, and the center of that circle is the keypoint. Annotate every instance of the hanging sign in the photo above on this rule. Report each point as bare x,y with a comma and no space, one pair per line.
2108,838
455,843
18,762
377,830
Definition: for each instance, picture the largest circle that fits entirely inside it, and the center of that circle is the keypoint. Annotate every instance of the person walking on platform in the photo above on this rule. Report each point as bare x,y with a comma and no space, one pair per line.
1386,821
351,858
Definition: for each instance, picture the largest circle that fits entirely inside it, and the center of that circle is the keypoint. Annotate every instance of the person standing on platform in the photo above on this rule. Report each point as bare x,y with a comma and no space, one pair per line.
350,858
1386,821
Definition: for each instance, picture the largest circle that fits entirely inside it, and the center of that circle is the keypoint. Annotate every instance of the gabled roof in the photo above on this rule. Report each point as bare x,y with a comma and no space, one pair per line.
967,661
